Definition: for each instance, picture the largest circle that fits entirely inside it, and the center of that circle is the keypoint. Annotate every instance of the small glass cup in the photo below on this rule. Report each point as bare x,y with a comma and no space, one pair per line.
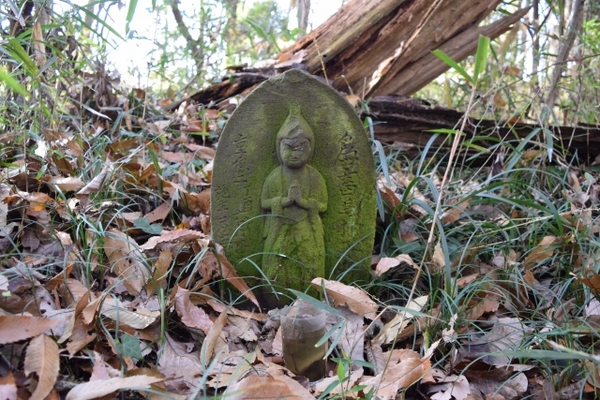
301,329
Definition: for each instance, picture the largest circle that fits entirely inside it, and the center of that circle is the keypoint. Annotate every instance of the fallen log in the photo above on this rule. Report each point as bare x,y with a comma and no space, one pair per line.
232,85
407,122
374,47
417,74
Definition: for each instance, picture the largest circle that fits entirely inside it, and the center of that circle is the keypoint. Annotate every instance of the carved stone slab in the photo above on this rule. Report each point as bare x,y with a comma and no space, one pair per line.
318,208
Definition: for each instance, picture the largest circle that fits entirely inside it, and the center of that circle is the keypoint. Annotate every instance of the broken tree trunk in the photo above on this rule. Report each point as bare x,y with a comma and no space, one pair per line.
416,74
371,46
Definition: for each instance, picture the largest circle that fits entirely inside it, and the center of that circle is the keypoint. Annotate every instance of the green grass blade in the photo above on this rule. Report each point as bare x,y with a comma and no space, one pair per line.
549,142
20,53
316,303
384,164
483,48
99,20
130,14
12,83
453,64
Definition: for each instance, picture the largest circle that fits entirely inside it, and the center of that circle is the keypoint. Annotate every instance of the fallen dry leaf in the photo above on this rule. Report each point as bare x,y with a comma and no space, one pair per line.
389,196
174,236
39,44
206,153
242,328
451,215
192,316
404,180
179,364
465,280
287,59
220,308
68,184
300,392
388,383
352,99
42,358
161,271
141,318
230,274
439,259
387,263
265,387
99,388
451,386
497,383
352,340
543,251
159,213
8,387
96,183
505,336
390,331
126,260
14,328
354,298
341,387
212,339
590,279
82,302
375,355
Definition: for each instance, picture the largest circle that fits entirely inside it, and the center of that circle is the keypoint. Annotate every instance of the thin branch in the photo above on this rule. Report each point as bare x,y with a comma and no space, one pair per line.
193,43
564,50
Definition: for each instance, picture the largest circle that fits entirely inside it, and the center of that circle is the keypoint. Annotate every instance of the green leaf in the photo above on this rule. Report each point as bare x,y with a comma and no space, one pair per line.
483,48
12,83
328,389
262,34
446,131
19,52
145,225
452,64
589,178
130,14
130,347
341,371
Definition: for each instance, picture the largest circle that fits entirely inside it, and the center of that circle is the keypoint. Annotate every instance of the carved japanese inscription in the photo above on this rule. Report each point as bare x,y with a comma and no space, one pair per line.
293,190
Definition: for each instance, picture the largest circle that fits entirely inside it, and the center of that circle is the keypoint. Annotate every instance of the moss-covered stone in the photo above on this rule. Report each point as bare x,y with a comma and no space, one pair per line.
293,190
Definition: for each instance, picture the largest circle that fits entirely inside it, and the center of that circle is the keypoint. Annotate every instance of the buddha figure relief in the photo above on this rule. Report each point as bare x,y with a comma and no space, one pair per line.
294,196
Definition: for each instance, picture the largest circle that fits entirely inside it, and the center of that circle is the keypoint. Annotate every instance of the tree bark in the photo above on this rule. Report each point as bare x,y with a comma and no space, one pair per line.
302,12
369,45
419,73
564,50
407,124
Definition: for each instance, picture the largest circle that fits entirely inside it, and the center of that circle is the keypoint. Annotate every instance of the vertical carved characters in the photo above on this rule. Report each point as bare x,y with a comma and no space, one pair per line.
293,196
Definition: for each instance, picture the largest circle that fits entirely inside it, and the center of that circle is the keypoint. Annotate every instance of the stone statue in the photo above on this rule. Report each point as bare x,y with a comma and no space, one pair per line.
293,186
294,194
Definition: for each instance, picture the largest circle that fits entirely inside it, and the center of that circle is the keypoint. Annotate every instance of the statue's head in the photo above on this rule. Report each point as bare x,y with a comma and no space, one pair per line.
295,141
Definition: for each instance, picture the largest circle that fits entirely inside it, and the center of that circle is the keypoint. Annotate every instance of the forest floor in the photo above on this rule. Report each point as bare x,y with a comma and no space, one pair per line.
110,281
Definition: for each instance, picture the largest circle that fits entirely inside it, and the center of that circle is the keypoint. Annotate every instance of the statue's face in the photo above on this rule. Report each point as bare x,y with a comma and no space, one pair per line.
295,153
